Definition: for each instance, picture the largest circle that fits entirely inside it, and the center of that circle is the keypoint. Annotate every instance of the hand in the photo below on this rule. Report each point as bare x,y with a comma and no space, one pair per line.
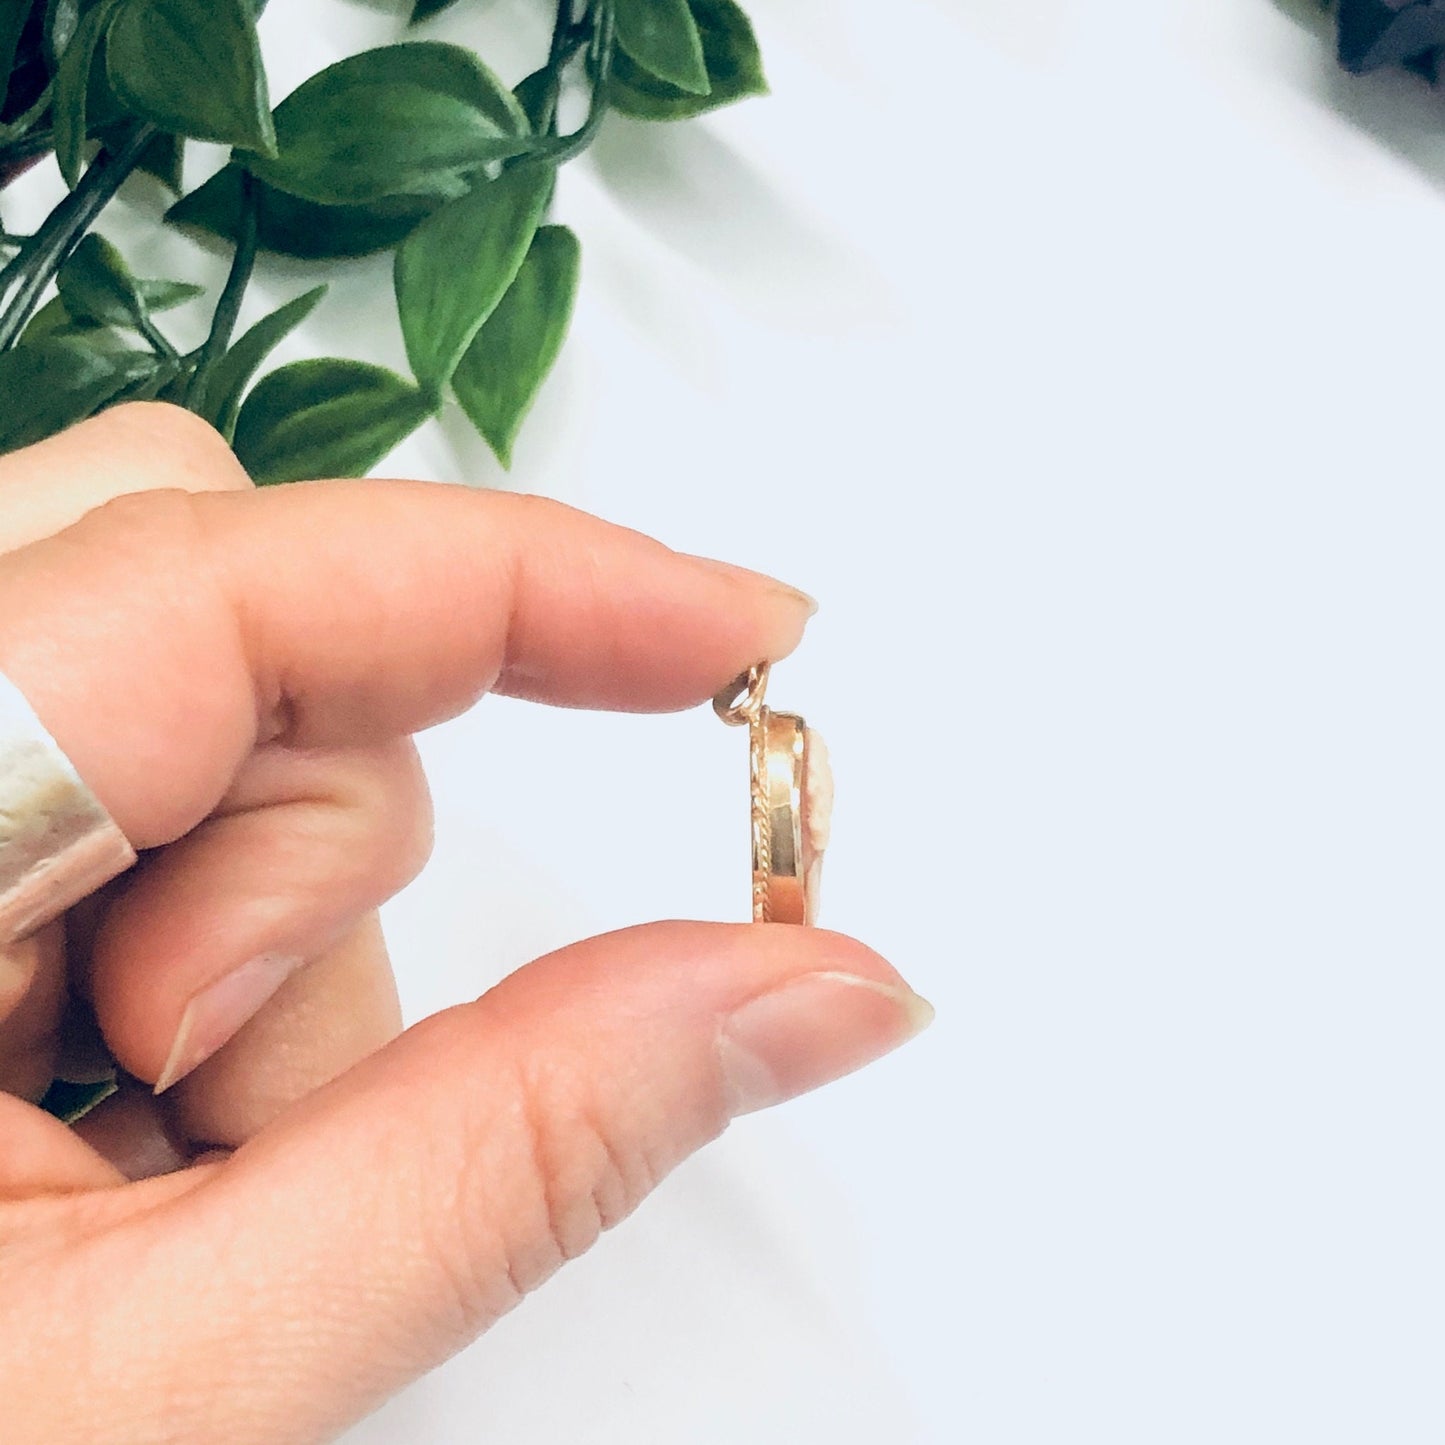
315,1211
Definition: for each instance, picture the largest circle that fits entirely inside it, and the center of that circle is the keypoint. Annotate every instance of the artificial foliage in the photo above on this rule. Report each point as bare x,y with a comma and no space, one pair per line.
416,148
1376,33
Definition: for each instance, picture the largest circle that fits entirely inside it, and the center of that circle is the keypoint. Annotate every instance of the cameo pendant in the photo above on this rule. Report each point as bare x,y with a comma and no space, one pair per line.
790,786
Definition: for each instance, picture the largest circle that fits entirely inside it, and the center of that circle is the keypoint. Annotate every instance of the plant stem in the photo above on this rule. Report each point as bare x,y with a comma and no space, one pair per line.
148,329
37,143
599,65
557,57
228,306
560,149
561,25
41,257
14,130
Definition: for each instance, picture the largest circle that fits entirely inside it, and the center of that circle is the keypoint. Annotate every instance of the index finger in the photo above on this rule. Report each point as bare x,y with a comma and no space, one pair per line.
164,634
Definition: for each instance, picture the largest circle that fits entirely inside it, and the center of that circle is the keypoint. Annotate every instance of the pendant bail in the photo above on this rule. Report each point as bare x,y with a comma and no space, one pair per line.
741,701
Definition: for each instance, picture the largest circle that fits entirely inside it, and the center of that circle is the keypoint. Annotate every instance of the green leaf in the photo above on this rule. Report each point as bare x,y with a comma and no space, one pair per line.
425,9
176,388
58,381
148,388
446,69
97,289
193,67
53,320
70,105
401,120
163,159
104,339
662,37
455,267
734,68
96,285
62,18
534,95
220,400
348,149
532,92
294,227
503,369
22,124
162,295
325,418
69,1102
13,16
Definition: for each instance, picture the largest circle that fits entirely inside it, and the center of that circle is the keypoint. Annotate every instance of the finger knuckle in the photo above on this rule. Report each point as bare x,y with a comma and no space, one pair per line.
412,817
157,525
184,444
583,1174
386,791
541,1175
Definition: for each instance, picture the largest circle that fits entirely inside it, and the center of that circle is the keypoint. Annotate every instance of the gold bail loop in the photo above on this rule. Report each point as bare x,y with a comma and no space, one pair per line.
742,699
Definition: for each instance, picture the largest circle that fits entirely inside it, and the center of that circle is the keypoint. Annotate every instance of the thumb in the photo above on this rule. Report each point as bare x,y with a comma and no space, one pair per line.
394,1215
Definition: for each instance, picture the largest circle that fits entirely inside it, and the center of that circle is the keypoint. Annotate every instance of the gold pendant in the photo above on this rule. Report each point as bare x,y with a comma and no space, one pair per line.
791,789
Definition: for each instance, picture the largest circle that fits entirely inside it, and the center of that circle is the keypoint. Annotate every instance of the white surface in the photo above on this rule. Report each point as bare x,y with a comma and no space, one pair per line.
1096,347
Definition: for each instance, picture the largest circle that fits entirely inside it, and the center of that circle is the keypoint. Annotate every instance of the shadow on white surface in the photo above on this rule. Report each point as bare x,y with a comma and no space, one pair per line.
695,1323
1401,111
733,1307
696,194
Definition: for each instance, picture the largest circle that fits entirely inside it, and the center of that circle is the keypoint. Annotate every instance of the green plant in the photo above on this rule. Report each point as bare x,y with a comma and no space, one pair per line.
416,148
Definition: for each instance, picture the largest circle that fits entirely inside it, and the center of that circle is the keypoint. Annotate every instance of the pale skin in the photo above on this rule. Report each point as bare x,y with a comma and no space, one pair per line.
318,1208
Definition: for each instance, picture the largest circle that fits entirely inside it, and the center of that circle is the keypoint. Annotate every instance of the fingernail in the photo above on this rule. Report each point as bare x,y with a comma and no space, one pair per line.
811,1031
757,579
215,1015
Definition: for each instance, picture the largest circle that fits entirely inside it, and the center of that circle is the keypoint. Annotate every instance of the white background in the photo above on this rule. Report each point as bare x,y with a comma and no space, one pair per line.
1083,359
